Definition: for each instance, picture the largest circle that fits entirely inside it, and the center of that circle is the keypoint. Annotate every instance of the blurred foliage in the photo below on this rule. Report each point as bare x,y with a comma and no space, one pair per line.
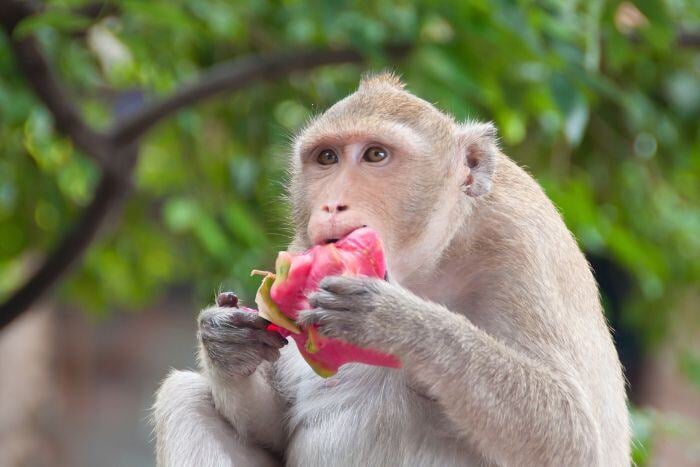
650,426
595,98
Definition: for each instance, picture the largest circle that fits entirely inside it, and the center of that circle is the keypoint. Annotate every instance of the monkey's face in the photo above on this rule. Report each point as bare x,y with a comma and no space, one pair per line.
387,159
380,174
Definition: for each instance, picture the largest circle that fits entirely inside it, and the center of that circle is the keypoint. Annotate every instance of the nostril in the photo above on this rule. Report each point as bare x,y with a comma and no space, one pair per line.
332,208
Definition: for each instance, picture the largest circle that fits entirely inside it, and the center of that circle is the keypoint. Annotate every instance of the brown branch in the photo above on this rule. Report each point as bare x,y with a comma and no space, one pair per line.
43,81
231,77
117,163
688,39
684,39
110,190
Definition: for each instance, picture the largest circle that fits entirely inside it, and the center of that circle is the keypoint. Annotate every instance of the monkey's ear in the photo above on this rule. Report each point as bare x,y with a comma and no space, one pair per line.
478,147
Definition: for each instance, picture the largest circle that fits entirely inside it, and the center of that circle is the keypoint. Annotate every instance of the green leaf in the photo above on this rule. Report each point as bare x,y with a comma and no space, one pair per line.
244,225
61,20
181,214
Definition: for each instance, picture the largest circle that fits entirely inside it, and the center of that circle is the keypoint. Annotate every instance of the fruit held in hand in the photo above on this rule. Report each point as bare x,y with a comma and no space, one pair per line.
282,296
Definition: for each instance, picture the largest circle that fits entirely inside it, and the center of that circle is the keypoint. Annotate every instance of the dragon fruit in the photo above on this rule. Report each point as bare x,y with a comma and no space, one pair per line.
283,294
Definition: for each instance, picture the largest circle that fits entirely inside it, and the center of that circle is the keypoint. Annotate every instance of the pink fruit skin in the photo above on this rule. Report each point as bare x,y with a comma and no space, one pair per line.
358,254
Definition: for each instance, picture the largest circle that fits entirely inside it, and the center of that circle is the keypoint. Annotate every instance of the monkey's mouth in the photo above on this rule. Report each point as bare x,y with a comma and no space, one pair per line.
344,233
334,239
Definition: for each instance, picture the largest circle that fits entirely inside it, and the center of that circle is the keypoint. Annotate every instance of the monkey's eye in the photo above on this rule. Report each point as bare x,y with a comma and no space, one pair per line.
374,154
327,157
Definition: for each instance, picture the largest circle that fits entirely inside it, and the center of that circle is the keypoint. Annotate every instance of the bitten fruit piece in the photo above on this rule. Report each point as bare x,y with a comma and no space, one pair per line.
283,295
268,309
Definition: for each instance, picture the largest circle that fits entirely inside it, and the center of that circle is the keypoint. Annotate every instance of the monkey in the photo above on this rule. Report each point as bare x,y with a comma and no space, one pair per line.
491,307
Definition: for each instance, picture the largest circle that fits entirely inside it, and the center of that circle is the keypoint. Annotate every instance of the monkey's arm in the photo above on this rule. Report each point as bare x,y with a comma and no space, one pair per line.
191,432
251,405
229,413
518,411
236,356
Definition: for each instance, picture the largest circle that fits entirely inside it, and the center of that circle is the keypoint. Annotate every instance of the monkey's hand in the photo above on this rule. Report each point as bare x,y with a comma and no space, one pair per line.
365,312
233,341
233,345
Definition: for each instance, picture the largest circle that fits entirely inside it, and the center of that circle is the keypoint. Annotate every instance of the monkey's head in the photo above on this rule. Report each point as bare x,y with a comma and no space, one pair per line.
387,159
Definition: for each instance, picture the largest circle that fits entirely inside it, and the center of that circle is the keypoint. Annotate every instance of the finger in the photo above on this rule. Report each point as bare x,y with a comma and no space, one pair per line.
227,299
247,319
271,338
328,300
308,318
270,353
344,285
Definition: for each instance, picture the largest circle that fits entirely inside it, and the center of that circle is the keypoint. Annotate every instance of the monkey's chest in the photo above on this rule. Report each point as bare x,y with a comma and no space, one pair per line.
369,416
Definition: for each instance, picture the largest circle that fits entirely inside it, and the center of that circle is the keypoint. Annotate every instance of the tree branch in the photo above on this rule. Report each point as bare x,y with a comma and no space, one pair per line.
43,81
688,39
231,77
110,190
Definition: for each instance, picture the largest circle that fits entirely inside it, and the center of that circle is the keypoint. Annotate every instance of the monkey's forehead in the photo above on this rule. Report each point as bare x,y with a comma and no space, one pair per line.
385,102
386,115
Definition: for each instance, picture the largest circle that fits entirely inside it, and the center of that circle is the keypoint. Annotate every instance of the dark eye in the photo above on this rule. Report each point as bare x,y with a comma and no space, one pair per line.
327,157
374,154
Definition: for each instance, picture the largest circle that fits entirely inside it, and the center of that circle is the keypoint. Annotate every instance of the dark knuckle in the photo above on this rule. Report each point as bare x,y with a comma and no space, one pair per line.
308,315
319,316
323,296
227,299
237,317
314,298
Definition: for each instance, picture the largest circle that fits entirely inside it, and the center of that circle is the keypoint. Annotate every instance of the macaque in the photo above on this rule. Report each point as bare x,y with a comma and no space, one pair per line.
490,305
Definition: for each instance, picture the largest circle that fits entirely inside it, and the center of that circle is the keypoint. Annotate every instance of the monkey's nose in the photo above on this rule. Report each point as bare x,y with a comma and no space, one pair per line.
332,208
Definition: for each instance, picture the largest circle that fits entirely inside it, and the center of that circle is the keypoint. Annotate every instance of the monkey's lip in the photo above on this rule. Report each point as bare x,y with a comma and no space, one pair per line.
338,234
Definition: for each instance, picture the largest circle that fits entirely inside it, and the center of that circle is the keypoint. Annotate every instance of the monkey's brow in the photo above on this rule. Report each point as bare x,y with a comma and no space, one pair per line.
394,136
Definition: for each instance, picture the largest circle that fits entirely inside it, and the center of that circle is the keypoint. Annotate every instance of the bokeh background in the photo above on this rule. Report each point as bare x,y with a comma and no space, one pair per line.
599,100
